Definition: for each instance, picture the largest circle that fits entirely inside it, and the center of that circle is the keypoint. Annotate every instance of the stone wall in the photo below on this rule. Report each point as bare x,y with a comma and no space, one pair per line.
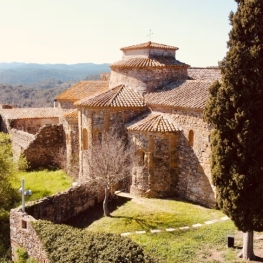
92,124
194,169
204,73
156,172
145,80
148,52
24,236
57,209
72,146
66,104
45,149
32,125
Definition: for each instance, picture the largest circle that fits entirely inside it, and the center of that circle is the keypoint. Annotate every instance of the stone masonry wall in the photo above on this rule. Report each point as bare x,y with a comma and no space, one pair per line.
204,73
194,169
66,104
57,209
145,80
45,148
24,236
94,122
156,174
32,125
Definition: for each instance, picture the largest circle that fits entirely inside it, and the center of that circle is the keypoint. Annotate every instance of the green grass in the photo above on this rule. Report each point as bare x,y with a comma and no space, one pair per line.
147,214
204,244
42,183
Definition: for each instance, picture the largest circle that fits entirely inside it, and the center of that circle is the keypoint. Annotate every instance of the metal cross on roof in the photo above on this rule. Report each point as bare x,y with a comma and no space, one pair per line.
150,33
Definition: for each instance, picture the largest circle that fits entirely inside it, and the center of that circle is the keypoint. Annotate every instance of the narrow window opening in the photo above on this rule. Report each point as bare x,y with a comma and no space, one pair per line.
85,139
24,224
191,138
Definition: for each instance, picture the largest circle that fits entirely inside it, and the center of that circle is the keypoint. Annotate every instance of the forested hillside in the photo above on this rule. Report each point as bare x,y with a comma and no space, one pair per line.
37,85
23,73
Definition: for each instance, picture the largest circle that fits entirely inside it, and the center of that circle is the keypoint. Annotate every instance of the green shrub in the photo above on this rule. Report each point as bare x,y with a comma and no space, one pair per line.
67,244
23,257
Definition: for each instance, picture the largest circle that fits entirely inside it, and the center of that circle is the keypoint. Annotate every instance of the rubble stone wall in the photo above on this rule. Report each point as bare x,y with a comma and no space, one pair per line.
66,104
72,146
94,122
194,168
204,73
156,172
145,80
24,236
44,150
57,209
32,125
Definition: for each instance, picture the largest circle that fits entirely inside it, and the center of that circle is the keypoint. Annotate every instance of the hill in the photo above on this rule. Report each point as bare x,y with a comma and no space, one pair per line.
28,73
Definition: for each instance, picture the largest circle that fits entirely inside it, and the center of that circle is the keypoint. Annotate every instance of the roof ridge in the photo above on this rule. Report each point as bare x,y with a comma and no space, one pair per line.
120,87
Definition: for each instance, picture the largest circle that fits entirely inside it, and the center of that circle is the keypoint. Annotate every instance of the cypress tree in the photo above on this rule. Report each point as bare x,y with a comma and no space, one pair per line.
235,109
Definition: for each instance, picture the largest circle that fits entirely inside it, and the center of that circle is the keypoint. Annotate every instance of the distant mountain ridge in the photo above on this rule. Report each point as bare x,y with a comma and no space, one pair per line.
28,73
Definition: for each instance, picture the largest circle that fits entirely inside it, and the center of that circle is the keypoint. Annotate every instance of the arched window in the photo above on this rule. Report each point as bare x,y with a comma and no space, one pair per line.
85,139
191,138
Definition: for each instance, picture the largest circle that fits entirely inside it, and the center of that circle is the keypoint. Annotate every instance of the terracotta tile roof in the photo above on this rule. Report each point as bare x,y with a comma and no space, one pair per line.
84,89
154,123
73,114
183,94
149,45
30,113
119,96
152,62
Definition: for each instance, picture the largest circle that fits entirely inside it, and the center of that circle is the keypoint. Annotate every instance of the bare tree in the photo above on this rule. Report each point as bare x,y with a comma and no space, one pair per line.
110,161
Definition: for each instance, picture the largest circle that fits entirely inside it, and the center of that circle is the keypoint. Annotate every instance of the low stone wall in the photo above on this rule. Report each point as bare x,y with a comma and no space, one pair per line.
57,209
60,207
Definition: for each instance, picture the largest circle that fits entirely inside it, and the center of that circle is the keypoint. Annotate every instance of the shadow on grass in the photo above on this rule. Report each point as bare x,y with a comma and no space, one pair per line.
86,218
144,224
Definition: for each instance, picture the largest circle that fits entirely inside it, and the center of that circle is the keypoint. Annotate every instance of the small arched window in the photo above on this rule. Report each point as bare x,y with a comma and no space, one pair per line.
85,139
191,138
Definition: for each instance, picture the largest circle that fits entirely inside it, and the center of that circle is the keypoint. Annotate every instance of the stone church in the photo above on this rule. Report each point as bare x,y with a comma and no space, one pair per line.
159,103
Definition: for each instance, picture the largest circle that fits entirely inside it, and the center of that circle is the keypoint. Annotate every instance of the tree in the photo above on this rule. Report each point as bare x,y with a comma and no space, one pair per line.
8,196
235,109
109,161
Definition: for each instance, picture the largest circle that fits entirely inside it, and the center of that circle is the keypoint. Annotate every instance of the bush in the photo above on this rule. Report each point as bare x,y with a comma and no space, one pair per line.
67,244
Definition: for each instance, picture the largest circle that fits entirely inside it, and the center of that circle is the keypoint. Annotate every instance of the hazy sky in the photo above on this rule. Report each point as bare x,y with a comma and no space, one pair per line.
79,31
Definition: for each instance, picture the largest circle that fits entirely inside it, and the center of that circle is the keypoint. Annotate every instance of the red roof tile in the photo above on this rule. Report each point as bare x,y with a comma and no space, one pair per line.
149,45
154,123
153,62
71,114
119,96
84,89
183,94
30,113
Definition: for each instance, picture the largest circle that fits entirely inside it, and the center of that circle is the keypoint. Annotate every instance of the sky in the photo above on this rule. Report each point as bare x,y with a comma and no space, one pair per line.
82,31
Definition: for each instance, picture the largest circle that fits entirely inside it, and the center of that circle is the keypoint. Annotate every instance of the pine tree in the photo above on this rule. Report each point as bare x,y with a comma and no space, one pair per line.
235,109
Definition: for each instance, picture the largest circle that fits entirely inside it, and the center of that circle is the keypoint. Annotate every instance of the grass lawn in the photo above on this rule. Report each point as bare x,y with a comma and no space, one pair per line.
42,183
204,244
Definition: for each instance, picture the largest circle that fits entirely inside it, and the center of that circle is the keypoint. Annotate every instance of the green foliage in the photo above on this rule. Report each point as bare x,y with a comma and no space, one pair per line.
235,109
23,256
8,196
67,244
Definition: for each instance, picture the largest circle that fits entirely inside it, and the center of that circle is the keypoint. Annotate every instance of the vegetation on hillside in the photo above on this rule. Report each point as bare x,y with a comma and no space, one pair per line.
8,195
235,109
